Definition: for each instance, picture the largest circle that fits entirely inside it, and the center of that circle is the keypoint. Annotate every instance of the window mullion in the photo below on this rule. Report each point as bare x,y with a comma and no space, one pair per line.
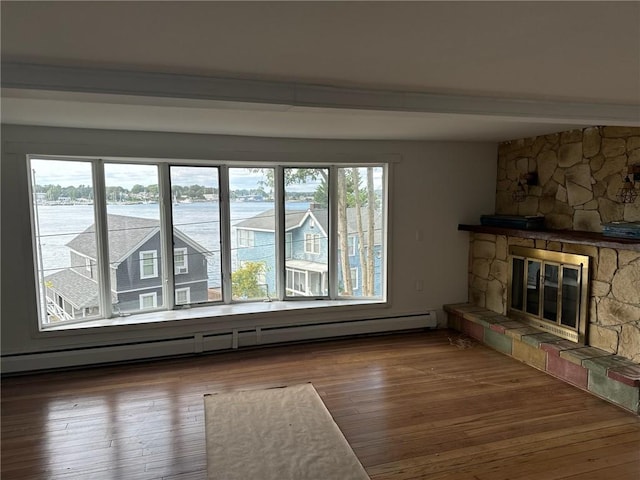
333,232
225,234
102,238
166,236
278,188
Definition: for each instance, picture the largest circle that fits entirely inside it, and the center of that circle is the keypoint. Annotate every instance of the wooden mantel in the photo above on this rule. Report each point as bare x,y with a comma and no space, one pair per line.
567,236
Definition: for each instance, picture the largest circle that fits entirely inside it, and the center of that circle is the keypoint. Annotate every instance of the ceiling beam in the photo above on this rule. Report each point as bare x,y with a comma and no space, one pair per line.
24,76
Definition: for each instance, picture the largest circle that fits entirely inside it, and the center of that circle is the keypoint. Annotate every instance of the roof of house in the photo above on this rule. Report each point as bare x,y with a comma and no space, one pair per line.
126,234
80,291
265,221
295,218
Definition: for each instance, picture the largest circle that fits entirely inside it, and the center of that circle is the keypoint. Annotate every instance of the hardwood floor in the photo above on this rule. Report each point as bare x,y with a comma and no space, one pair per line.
411,405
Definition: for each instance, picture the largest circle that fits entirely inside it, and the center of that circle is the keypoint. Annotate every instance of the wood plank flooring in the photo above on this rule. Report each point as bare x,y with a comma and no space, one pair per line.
413,405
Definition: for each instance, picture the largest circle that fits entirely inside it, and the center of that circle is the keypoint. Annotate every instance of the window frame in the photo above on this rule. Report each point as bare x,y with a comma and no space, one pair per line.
185,261
165,254
142,296
314,240
154,265
186,290
288,245
352,245
246,238
294,292
355,280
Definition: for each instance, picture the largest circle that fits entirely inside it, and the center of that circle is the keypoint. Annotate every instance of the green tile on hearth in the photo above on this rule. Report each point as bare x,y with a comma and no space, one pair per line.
603,364
614,391
578,355
496,340
536,339
517,333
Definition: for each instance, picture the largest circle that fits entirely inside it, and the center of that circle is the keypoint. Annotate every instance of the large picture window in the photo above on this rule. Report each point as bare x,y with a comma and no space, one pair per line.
114,238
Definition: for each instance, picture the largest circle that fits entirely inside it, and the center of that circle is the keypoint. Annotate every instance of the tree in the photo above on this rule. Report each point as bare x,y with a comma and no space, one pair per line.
245,280
371,206
364,266
152,190
343,233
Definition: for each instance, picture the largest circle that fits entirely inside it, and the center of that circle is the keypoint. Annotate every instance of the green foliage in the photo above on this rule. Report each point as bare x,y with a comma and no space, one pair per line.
245,281
353,179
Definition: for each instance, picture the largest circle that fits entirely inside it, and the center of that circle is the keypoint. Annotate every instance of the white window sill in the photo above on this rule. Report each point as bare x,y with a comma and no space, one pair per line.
214,312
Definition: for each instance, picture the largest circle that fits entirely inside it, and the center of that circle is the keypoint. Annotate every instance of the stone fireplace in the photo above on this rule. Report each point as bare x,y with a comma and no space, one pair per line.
578,175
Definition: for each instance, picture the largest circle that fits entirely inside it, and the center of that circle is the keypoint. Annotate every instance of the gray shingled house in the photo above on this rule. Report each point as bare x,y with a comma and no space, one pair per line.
136,270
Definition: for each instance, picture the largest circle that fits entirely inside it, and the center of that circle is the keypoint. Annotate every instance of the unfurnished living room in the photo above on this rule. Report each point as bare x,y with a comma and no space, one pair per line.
320,240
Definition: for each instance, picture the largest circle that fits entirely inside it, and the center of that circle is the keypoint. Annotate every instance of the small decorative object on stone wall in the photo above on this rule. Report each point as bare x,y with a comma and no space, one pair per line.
520,193
628,192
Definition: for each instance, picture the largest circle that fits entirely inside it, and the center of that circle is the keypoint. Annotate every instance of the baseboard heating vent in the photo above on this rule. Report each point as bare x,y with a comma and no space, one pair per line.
202,342
280,334
96,355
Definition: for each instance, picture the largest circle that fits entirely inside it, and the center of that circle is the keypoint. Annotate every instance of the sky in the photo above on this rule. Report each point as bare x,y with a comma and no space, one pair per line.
73,173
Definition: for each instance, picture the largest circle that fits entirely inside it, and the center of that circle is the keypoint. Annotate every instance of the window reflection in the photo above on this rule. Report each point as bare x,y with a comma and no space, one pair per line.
517,300
533,287
570,296
550,304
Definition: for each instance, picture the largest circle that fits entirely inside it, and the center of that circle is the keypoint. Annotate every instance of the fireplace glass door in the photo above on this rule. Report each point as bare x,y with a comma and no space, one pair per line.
549,290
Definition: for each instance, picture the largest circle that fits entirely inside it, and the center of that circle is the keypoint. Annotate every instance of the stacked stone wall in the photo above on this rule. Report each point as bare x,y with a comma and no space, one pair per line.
579,175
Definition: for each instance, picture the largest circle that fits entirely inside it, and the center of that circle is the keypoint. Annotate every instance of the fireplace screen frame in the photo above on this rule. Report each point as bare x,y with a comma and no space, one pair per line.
547,283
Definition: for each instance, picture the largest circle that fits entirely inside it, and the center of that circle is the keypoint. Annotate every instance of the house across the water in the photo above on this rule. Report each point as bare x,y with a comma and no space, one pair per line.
135,270
307,252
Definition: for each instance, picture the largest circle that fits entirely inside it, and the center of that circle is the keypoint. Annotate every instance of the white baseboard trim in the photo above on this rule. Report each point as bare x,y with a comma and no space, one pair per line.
202,342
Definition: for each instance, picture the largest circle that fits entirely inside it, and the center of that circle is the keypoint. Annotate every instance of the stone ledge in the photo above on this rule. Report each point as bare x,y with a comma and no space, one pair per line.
609,376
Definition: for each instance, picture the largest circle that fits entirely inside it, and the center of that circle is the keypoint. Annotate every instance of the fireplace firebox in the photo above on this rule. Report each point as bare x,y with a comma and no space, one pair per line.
549,290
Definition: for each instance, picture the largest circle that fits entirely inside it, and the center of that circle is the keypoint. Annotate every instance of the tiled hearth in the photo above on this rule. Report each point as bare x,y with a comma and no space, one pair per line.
597,371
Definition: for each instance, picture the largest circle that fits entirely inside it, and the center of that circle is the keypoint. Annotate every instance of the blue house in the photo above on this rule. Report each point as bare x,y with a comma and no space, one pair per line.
307,250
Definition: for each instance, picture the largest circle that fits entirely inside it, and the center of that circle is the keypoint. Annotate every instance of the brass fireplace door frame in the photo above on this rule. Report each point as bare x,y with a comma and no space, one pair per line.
558,262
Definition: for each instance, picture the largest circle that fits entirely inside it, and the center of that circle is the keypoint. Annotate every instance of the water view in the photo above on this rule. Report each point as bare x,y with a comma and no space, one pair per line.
59,224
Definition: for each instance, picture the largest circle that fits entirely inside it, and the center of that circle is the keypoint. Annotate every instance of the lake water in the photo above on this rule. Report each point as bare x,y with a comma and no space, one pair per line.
59,224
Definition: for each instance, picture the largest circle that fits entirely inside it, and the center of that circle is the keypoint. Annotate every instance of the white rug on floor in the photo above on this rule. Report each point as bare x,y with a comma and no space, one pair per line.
276,434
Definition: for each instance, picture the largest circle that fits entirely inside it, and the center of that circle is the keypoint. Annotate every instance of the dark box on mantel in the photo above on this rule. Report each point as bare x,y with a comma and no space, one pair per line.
524,222
621,229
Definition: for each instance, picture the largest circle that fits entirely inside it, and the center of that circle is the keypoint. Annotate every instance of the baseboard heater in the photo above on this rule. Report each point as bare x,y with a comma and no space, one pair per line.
202,342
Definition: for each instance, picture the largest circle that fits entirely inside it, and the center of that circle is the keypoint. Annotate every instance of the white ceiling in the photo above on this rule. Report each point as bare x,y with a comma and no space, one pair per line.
486,70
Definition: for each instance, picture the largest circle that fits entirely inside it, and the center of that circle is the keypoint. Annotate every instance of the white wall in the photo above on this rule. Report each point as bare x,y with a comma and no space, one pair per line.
434,186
